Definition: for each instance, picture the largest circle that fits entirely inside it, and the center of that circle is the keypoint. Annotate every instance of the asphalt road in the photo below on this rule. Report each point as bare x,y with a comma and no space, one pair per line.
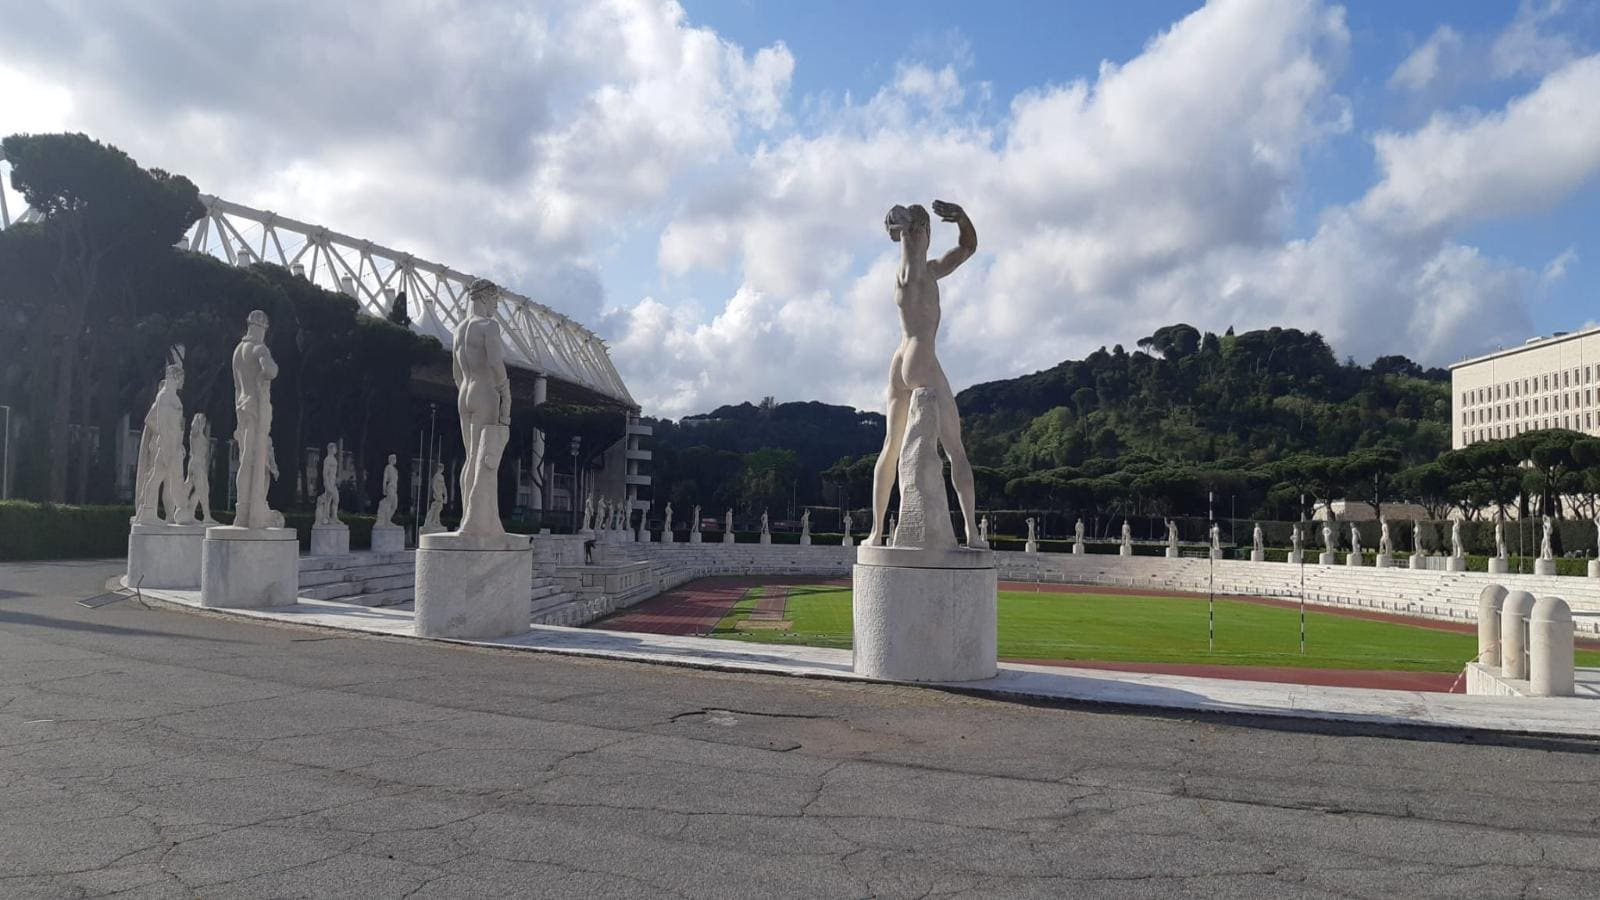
156,753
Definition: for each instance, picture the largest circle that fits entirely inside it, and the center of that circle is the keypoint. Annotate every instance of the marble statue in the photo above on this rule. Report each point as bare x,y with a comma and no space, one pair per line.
666,518
1216,538
1456,549
727,522
764,522
1172,535
805,524
588,513
1032,535
197,481
1597,532
1256,541
1545,551
328,500
922,410
694,524
1077,532
253,372
1355,540
1385,548
391,495
846,540
1294,537
1500,539
438,496
159,476
894,526
602,515
483,402
983,529
1127,534
1327,538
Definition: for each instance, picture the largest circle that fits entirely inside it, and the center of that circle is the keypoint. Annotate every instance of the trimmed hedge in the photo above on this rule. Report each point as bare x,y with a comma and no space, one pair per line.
49,531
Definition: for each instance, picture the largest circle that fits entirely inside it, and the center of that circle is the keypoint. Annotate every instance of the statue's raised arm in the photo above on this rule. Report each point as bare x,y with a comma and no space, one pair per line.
966,245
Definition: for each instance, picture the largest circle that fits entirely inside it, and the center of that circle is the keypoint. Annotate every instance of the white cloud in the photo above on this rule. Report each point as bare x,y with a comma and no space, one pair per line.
1422,68
1527,46
1556,268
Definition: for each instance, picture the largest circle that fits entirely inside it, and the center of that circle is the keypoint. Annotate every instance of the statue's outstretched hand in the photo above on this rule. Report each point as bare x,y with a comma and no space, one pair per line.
948,211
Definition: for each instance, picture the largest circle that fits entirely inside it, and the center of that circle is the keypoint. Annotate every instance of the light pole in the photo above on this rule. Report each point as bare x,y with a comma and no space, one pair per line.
576,442
5,459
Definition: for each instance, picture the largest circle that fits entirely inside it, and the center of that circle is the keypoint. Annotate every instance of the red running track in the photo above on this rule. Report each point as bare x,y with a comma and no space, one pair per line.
697,607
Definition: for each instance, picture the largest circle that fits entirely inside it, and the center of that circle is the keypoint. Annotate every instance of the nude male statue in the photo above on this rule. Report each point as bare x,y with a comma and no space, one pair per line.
391,493
160,469
253,371
328,500
198,480
915,364
483,402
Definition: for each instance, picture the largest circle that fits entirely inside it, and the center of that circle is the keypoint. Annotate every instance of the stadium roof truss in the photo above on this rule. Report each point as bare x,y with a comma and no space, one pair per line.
536,336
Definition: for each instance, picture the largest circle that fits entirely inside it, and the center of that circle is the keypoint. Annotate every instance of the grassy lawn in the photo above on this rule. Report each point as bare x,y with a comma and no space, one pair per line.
1151,629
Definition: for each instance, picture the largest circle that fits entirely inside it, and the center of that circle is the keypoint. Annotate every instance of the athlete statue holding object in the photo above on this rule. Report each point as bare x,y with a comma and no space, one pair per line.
915,364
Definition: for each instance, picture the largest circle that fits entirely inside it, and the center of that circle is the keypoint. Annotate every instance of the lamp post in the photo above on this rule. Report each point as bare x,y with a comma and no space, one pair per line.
576,442
5,458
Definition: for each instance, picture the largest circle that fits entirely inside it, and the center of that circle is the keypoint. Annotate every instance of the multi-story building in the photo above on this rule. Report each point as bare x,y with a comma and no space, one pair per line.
1547,382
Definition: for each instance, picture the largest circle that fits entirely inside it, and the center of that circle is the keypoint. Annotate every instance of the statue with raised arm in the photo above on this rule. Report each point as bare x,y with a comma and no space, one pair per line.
1456,549
483,402
438,496
328,500
915,372
1257,542
1385,548
1500,538
1032,534
1545,550
391,495
253,372
197,482
158,481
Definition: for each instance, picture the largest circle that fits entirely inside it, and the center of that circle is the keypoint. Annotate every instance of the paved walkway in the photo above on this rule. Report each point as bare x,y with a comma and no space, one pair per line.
1437,682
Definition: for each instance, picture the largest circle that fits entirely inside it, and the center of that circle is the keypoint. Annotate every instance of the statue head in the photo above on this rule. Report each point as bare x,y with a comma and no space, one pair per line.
197,426
483,294
174,371
908,224
391,459
255,325
332,448
438,468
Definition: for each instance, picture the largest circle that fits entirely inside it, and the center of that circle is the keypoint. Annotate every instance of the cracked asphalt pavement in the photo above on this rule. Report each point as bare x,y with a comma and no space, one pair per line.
157,753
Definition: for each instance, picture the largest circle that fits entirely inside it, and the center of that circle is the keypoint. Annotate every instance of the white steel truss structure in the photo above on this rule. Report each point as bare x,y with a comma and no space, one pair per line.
536,337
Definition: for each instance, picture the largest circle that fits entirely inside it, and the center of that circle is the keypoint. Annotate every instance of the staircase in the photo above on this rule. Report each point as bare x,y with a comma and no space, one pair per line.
361,578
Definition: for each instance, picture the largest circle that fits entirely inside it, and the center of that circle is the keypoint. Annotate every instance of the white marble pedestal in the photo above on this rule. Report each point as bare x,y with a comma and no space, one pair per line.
1594,568
388,539
1385,561
330,540
473,587
1124,550
805,540
727,537
1296,557
766,538
1258,556
1172,553
1354,559
1033,547
165,556
694,537
1455,564
1418,561
931,620
1499,565
1544,567
1327,558
1077,548
249,568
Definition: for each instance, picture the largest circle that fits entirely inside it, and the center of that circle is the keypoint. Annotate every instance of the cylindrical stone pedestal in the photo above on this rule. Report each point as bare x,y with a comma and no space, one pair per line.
165,556
330,540
1594,568
1455,564
1513,646
694,537
1418,561
1124,550
1550,648
1385,561
727,537
1258,556
1077,548
1353,559
1172,553
1544,567
1033,547
1296,557
1490,600
1327,558
926,624
473,587
1499,565
766,538
249,568
390,539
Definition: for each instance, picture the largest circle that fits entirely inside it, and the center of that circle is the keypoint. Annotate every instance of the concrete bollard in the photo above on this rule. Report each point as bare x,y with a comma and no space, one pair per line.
1550,648
1490,601
1513,660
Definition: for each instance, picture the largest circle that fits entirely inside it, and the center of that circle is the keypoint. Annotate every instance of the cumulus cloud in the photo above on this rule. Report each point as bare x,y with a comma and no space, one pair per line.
1423,67
1529,46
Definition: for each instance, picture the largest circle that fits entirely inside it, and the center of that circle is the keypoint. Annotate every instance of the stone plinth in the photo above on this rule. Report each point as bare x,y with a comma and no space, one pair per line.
473,587
666,534
1077,548
1172,553
1544,567
694,537
1499,565
1353,559
1327,558
1258,556
1550,648
1296,557
1215,552
1594,568
388,539
165,556
249,568
1033,547
1513,648
330,540
1124,550
727,537
1418,561
1455,564
766,538
805,540
925,624
1385,561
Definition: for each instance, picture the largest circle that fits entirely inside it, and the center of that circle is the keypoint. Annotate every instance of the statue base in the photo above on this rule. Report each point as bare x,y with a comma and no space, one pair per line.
1172,553
805,540
431,529
925,623
1544,567
249,568
847,541
1385,561
473,587
1594,568
1258,556
1297,557
766,538
1124,550
694,537
644,536
1500,566
925,558
1455,564
1327,558
330,540
388,539
1354,559
1215,553
1077,548
727,537
666,533
1033,547
165,556
1418,561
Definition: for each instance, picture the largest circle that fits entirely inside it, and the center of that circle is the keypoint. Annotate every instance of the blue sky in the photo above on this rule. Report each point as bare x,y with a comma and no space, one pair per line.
704,184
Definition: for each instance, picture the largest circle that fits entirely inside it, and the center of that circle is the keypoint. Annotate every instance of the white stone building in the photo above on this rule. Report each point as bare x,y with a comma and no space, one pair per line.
1546,382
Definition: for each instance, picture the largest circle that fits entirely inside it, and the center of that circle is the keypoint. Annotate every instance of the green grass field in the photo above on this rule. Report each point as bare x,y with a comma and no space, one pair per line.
1150,629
